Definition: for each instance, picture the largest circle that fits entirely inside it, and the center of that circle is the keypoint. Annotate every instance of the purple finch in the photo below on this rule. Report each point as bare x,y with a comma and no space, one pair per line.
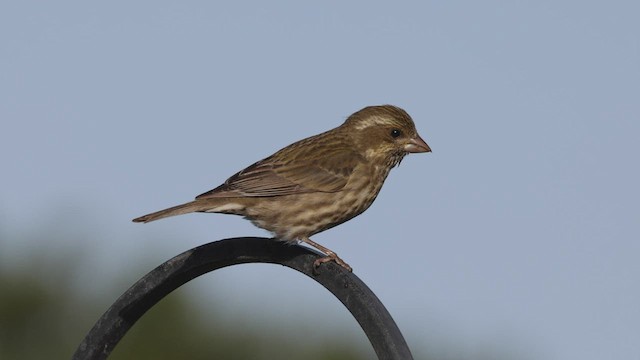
316,183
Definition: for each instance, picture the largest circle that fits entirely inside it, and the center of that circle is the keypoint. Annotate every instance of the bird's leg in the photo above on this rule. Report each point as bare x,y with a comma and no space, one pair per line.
330,255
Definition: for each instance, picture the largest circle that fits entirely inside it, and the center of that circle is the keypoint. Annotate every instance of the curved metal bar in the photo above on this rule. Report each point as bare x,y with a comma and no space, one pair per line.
372,316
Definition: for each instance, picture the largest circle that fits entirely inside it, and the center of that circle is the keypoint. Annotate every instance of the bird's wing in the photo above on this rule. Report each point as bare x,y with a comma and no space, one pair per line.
274,176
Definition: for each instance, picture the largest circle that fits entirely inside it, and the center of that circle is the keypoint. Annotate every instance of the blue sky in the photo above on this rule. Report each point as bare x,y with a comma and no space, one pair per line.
520,231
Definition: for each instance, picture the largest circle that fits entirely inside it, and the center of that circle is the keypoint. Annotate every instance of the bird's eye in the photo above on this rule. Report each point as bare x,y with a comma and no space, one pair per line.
395,133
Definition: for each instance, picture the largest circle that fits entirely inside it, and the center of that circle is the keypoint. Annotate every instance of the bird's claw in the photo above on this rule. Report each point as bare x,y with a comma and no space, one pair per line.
331,257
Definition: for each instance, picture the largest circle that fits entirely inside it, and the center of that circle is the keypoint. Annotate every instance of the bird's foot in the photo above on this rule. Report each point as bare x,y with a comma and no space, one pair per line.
331,256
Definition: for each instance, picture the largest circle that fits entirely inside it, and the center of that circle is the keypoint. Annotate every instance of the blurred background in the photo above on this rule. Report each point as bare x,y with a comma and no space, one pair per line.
517,238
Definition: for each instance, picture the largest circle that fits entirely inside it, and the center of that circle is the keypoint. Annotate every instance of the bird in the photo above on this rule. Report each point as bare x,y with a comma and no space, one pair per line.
316,183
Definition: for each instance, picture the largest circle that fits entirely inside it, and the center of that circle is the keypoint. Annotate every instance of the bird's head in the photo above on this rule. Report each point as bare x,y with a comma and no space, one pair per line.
385,134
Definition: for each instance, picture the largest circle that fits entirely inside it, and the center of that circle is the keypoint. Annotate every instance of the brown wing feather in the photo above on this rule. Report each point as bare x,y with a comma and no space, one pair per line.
284,173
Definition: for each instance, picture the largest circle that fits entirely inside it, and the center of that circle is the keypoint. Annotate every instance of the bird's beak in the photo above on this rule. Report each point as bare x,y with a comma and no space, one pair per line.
417,145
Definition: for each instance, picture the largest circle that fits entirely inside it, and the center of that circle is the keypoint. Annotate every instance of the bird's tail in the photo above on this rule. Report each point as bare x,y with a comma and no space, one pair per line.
186,208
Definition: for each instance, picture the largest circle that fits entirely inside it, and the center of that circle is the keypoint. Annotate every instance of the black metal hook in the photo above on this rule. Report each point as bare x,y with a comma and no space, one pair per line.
373,317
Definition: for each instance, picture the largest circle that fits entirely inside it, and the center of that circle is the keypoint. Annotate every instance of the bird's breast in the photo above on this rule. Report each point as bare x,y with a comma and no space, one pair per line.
294,216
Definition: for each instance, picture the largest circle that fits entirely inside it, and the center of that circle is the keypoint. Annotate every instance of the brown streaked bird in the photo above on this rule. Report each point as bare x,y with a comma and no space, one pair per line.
316,183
